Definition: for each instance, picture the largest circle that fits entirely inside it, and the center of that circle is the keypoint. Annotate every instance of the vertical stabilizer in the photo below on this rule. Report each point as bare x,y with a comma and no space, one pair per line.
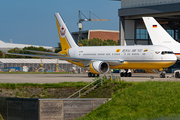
157,33
65,37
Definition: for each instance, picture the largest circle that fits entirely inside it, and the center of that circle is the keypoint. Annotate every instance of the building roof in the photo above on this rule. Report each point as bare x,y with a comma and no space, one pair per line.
142,3
38,61
12,45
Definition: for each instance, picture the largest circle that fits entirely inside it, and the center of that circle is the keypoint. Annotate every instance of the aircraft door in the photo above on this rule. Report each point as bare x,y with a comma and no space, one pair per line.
151,54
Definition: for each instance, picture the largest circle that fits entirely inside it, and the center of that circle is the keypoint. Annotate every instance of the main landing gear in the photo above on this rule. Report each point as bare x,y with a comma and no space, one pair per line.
126,73
92,75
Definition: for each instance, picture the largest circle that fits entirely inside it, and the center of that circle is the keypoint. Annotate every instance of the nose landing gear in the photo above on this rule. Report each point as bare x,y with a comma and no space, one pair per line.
163,74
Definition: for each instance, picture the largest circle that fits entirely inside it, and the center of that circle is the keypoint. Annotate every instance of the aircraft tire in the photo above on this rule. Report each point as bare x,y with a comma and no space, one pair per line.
125,74
89,74
97,75
93,75
162,75
177,75
122,74
129,74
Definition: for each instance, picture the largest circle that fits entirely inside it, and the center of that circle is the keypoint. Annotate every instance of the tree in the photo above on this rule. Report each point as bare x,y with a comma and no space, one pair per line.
58,48
109,42
15,50
95,42
23,51
1,54
85,42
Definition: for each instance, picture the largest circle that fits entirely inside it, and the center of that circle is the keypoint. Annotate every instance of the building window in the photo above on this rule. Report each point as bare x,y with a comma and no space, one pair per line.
173,34
141,34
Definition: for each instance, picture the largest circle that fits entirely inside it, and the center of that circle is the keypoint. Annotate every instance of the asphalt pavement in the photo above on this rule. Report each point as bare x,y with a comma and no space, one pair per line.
56,78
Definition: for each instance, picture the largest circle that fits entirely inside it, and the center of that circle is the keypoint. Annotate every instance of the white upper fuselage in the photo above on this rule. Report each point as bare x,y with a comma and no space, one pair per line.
142,54
125,53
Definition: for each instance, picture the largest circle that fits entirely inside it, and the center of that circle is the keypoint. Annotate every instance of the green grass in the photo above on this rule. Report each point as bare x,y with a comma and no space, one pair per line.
142,101
152,100
1,118
108,88
34,90
45,86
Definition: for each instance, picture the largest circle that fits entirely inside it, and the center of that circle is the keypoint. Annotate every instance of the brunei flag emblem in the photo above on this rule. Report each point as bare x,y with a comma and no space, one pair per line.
145,50
118,50
154,26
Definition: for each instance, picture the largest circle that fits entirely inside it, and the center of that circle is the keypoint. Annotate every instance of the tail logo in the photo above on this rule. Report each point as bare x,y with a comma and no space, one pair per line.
154,26
62,32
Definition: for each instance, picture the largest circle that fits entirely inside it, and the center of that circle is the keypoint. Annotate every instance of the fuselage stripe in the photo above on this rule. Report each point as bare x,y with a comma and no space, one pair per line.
177,53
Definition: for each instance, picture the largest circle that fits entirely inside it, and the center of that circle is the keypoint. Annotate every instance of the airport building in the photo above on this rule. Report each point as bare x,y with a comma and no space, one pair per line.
101,34
5,47
132,28
38,65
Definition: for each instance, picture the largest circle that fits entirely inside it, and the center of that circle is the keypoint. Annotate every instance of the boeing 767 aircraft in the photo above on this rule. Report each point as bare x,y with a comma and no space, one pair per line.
99,59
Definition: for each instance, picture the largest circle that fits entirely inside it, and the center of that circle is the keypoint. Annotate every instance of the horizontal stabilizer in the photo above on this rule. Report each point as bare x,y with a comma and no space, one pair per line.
46,53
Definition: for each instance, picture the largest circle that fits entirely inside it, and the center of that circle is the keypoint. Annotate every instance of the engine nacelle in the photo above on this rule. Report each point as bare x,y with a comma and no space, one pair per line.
99,67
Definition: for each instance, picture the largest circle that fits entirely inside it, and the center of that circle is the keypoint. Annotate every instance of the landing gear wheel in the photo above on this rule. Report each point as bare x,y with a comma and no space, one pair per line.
177,75
97,75
93,75
122,74
162,75
89,74
129,74
125,74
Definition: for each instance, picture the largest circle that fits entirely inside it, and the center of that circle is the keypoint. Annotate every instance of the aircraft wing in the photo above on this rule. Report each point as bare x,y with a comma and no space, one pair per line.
46,53
84,61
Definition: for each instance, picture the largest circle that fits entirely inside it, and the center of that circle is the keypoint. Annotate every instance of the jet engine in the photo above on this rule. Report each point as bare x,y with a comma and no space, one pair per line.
99,67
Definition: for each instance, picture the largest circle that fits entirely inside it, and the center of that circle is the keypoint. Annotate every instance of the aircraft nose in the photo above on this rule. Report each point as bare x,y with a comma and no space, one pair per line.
174,58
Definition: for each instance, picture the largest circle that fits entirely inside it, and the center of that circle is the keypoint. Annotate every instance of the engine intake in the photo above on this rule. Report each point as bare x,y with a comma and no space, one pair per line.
99,67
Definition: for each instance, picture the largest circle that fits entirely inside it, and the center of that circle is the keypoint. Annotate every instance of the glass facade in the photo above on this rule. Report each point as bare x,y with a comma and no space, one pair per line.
141,34
173,33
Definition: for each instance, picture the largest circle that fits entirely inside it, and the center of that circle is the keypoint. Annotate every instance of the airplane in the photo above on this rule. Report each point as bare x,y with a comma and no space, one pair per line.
159,36
99,59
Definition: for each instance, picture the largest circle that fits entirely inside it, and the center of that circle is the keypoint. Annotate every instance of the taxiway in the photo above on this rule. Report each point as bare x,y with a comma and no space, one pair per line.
56,78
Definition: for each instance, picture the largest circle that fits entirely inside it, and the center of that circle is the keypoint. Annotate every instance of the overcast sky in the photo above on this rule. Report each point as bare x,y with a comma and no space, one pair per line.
33,21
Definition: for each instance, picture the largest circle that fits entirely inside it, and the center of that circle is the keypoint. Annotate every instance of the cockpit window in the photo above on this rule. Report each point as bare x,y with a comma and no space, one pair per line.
167,52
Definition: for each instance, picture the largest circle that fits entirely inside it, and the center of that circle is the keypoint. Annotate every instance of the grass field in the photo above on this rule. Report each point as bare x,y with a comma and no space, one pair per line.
46,85
152,100
1,117
31,90
142,101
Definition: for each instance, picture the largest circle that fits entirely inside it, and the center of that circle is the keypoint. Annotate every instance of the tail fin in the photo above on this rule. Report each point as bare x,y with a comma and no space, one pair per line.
65,37
157,33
